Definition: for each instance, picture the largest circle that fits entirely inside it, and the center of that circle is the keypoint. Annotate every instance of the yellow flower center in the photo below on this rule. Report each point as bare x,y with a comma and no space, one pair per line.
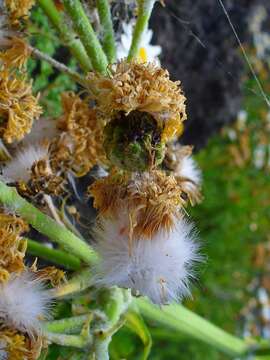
142,55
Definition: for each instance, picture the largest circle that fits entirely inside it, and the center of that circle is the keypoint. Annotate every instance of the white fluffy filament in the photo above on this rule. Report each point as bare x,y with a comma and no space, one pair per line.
159,268
19,167
24,303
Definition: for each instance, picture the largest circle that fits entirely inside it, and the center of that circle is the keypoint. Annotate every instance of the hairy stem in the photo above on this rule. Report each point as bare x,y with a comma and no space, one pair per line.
67,326
45,225
77,341
58,257
179,319
108,42
67,36
144,11
87,35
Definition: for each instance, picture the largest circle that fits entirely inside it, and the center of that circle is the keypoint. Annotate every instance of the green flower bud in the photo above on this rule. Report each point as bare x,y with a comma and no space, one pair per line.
133,142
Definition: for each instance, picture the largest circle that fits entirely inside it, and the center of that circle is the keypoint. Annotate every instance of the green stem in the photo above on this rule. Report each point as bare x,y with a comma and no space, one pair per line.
179,319
67,326
68,37
144,11
78,283
45,225
86,34
108,42
77,341
53,255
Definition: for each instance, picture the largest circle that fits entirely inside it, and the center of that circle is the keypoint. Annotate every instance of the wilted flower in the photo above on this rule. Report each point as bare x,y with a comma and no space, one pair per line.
16,52
153,200
18,10
143,109
143,87
79,145
19,346
12,245
147,52
159,268
18,106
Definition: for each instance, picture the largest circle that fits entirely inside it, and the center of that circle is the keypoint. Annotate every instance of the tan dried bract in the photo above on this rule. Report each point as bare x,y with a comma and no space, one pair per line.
80,145
18,106
144,87
153,200
12,245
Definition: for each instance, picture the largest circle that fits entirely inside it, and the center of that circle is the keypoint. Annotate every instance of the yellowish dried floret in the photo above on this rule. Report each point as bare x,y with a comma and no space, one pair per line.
144,87
18,346
18,106
80,145
50,273
18,10
16,54
12,245
153,200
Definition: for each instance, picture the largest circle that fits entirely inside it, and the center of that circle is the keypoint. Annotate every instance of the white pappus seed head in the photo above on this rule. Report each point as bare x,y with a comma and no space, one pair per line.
19,167
159,268
24,303
188,169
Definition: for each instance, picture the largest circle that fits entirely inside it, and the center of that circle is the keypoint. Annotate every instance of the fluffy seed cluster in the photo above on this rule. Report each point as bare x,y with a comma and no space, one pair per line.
79,145
20,167
153,199
143,87
159,268
24,302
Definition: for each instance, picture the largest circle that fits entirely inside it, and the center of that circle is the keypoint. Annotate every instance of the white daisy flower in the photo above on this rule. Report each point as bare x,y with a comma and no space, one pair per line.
159,268
19,167
24,303
147,52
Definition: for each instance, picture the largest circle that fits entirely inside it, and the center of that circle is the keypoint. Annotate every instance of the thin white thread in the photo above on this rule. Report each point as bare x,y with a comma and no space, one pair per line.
245,54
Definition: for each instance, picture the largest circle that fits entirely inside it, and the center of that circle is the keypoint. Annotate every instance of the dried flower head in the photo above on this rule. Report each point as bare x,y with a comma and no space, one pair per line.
18,10
153,200
79,146
143,87
12,245
159,268
19,346
18,106
24,303
13,345
178,159
16,52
